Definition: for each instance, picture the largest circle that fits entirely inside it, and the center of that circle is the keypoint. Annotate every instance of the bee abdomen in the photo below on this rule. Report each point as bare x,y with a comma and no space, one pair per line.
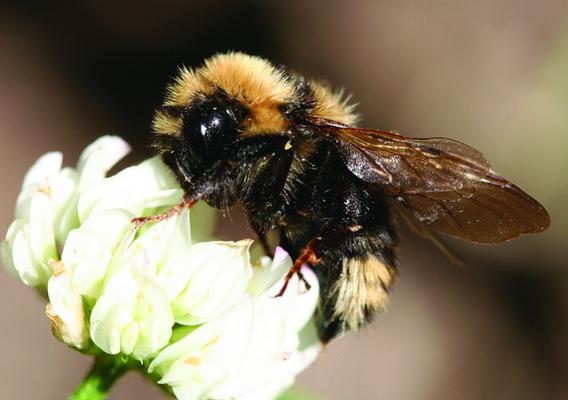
356,273
362,290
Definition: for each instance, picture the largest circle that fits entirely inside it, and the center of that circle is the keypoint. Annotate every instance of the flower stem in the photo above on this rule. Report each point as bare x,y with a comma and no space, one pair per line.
103,374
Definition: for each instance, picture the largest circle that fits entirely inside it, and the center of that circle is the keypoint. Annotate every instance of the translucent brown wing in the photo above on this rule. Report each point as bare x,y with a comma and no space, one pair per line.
426,233
446,185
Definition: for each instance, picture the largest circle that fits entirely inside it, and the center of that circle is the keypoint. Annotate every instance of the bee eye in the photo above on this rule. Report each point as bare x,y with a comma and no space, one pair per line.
208,130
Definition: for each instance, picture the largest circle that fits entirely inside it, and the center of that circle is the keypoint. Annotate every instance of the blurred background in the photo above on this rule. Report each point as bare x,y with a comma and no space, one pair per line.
491,73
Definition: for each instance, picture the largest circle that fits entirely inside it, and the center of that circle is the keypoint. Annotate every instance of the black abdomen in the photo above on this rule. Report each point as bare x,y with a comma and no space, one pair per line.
351,231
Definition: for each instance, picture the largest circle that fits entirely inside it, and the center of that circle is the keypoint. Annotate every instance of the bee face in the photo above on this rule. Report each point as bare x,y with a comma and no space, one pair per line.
209,128
201,146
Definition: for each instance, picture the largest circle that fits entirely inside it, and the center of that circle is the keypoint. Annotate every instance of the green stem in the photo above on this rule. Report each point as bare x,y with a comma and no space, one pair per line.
103,374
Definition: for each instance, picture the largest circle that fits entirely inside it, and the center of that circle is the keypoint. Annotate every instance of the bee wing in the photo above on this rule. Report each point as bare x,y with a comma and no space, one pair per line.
427,234
446,185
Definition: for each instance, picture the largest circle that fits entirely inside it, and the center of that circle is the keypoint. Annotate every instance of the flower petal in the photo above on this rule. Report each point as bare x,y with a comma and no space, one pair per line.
165,249
30,271
268,271
221,271
140,189
65,309
133,316
6,248
46,167
206,356
41,235
99,157
89,249
274,355
64,196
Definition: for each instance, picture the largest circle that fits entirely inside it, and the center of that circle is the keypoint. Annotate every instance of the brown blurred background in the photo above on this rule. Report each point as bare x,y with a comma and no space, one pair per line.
493,74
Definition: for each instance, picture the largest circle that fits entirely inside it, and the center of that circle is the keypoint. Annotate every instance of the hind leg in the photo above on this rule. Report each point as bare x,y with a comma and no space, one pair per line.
308,257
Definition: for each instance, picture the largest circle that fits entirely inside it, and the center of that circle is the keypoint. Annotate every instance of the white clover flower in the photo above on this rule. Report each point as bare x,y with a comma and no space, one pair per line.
200,317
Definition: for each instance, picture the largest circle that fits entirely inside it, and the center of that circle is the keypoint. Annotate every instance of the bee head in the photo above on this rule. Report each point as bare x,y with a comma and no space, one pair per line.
209,128
208,110
206,132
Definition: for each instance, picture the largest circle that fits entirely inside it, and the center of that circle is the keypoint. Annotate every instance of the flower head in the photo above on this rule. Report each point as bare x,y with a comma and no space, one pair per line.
200,316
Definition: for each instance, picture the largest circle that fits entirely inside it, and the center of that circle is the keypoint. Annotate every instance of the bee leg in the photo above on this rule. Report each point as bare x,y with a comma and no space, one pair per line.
309,257
185,202
307,285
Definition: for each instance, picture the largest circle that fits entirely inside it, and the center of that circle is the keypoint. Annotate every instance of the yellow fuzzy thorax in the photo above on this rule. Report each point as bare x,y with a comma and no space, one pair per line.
257,84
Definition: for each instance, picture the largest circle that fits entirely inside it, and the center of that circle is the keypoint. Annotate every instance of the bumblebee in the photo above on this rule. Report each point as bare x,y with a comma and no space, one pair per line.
239,131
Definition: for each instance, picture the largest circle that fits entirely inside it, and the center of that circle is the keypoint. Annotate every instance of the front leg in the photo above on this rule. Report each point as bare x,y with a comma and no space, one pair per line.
186,201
